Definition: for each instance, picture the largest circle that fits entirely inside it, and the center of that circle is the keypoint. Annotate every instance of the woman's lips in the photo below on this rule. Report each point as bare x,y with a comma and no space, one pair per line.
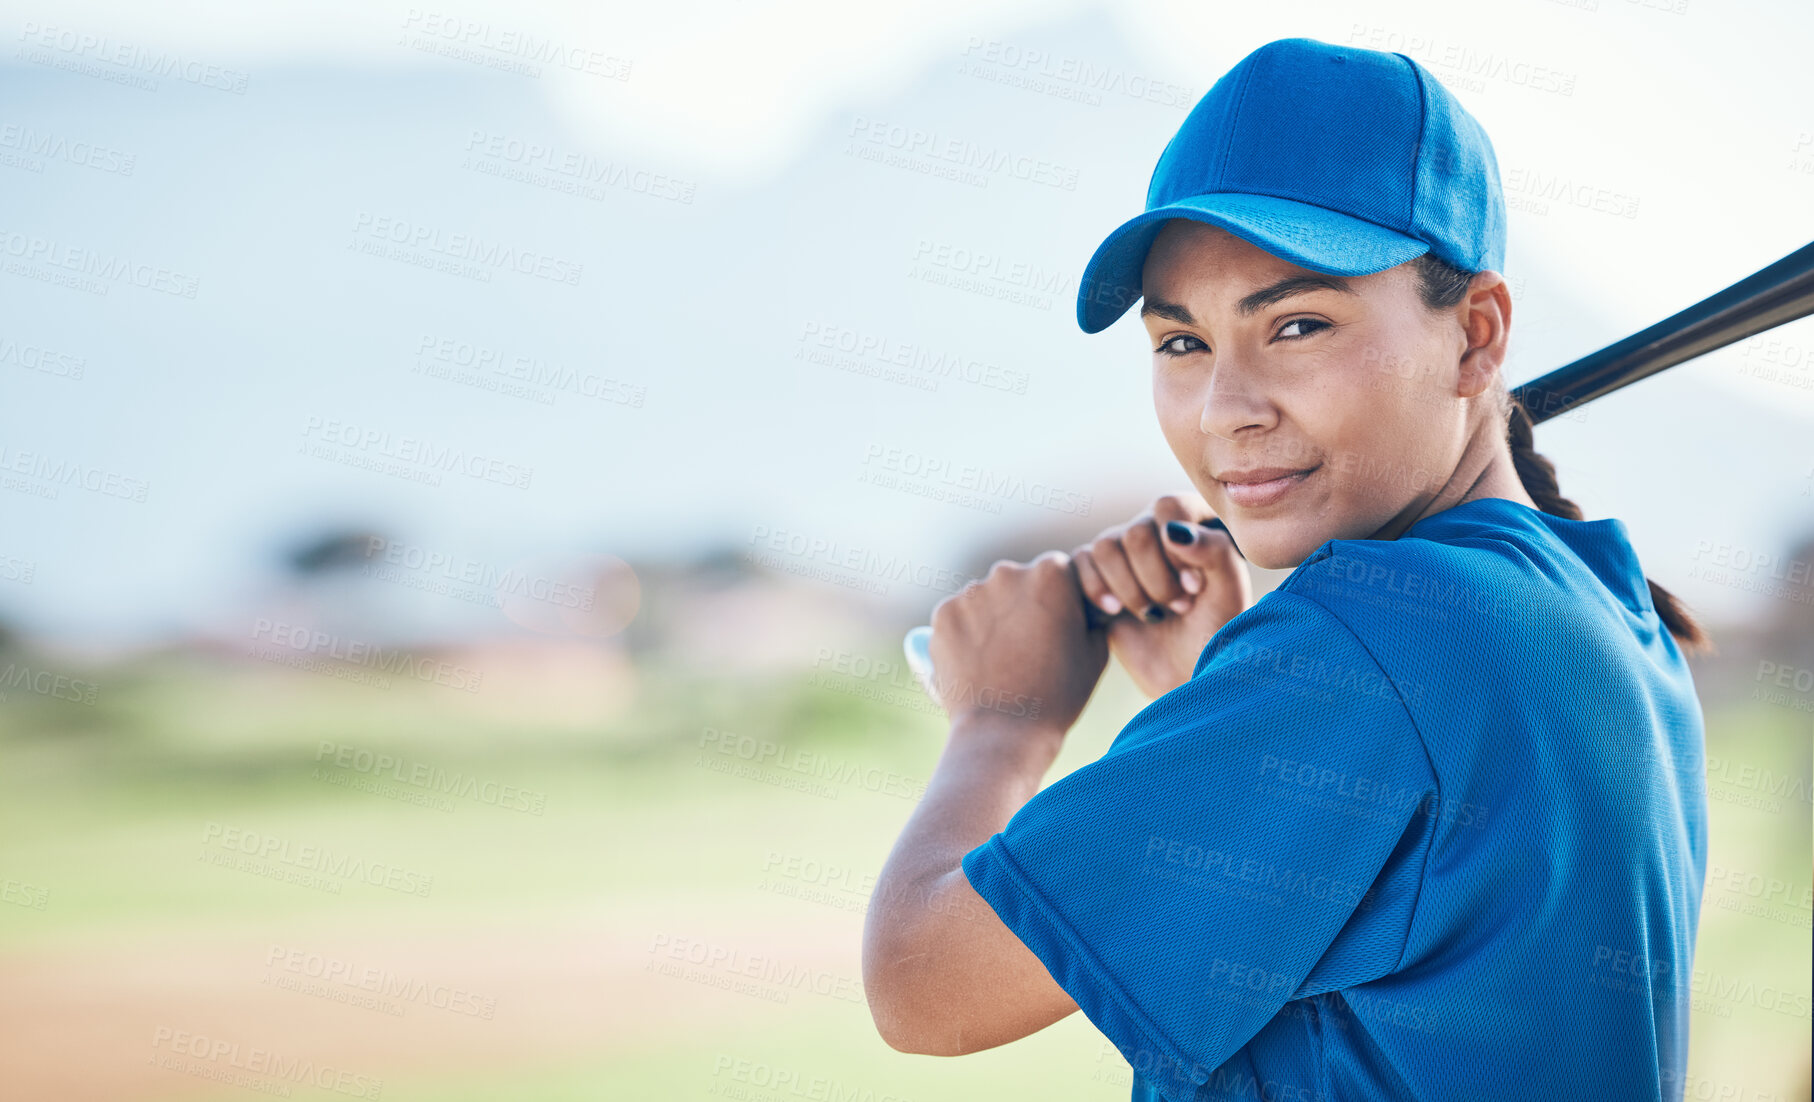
1252,495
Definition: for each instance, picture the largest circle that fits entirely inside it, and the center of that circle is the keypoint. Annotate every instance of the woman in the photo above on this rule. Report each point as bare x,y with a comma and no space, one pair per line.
1423,822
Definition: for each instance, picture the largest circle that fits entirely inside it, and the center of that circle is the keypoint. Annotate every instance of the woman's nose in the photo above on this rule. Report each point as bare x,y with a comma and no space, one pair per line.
1235,400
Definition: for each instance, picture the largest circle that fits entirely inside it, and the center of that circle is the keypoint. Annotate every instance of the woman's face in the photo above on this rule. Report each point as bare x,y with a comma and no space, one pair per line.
1363,390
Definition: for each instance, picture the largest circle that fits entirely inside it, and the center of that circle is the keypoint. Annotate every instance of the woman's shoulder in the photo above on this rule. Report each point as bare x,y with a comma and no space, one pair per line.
1414,580
1491,583
1486,561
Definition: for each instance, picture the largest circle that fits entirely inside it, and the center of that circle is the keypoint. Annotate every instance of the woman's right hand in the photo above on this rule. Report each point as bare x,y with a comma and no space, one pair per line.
1132,569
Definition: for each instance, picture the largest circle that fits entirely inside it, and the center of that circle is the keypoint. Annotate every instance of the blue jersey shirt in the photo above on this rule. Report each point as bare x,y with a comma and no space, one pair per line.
1428,821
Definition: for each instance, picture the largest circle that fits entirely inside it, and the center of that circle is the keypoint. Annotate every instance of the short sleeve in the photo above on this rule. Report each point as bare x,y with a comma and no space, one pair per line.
1250,838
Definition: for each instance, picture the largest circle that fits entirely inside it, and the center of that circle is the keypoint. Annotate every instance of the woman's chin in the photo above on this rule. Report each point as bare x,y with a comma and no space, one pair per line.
1271,547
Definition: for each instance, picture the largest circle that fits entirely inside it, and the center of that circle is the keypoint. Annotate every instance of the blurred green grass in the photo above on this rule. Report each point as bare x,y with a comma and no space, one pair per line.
105,807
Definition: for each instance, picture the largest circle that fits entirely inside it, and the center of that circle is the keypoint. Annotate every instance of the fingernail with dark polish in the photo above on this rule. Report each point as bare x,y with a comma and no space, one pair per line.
1216,522
1154,612
1180,532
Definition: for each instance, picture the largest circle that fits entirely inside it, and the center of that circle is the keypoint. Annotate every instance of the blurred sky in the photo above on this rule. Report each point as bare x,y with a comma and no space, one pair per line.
704,204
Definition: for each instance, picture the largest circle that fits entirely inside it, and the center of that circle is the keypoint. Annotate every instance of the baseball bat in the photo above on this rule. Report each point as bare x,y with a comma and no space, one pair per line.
1770,297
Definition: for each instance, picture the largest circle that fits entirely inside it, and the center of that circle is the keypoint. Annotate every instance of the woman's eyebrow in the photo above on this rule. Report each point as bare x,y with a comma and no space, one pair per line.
1255,302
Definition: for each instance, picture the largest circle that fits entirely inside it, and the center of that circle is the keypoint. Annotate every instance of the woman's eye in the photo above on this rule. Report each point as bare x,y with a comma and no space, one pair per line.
1302,321
1177,346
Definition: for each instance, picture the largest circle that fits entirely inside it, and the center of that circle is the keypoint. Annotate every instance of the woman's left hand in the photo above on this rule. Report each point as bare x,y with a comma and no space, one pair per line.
1015,647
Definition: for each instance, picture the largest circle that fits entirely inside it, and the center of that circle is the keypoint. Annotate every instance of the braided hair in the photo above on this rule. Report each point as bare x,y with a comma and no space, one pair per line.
1441,286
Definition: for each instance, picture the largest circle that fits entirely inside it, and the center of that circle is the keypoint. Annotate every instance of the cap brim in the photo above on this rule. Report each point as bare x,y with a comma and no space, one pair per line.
1309,236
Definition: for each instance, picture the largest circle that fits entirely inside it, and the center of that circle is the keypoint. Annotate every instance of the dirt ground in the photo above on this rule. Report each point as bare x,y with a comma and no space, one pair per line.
91,1022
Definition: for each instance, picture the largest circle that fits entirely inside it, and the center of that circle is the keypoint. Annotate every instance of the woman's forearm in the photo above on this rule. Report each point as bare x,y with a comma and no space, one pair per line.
935,956
989,769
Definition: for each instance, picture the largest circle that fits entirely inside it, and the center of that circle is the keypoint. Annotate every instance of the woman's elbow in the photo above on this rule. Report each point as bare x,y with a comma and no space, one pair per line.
901,1035
914,1035
894,983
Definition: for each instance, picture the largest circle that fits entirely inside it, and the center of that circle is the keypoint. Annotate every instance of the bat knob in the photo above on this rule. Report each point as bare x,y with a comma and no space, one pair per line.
918,646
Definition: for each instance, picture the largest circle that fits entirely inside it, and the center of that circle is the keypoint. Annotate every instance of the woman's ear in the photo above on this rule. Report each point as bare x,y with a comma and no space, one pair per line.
1486,319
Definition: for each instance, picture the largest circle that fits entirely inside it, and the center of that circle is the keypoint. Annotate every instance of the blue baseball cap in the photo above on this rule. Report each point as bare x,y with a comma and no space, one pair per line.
1340,160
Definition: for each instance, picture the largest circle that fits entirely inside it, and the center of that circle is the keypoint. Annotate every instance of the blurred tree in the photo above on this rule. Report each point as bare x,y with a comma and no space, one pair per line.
331,551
